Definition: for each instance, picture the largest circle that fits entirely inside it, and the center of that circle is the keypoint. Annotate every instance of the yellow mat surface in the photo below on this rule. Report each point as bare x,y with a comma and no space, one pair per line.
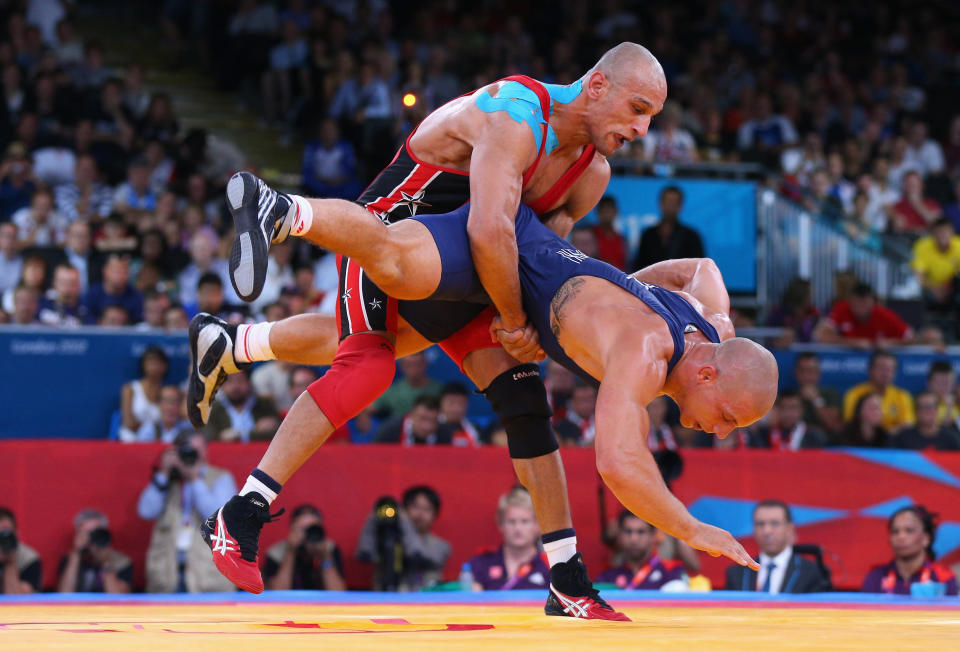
270,627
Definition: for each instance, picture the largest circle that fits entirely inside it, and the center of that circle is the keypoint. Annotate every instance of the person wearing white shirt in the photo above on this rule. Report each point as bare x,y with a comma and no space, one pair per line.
781,570
925,153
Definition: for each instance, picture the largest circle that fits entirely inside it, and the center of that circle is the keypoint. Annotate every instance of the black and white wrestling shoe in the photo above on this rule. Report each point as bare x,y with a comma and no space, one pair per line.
211,359
259,215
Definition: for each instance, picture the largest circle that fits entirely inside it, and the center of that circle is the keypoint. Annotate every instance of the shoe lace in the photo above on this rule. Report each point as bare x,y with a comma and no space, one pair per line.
248,537
582,579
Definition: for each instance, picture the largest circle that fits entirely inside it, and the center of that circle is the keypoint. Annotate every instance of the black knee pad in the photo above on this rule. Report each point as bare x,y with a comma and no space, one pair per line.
520,401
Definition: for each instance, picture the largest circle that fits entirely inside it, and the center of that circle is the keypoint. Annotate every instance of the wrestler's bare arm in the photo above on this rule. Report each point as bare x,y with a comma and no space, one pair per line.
698,277
628,467
502,150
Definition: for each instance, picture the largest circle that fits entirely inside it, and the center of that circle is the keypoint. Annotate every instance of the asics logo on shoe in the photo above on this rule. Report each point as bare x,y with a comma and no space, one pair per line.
571,606
258,503
220,542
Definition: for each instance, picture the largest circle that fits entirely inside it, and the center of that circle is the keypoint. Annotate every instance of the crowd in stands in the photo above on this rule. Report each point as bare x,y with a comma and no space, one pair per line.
186,488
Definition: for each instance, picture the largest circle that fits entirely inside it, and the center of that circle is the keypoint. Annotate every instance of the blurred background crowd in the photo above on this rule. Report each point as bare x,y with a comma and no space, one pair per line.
111,211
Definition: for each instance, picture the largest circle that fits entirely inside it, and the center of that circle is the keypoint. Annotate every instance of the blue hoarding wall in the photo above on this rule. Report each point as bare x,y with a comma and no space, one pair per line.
723,212
63,383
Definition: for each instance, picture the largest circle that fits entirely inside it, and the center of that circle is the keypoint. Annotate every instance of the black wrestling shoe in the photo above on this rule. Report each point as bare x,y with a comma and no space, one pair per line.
233,534
211,359
572,594
259,215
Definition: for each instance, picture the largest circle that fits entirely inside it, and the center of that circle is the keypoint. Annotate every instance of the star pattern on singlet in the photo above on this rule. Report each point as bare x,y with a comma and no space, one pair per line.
412,202
383,216
376,304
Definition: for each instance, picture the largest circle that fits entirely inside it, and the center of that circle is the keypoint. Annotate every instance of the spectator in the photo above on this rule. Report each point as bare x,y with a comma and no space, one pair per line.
454,401
399,398
914,214
114,317
420,426
159,124
184,491
77,253
579,427
952,210
175,318
865,427
33,276
859,224
26,304
93,565
765,133
240,415
518,562
17,182
821,405
900,165
912,532
364,427
787,429
307,560
925,153
781,569
155,304
896,403
669,141
135,193
669,238
203,247
942,382
796,312
115,290
210,300
279,275
271,380
85,198
298,380
287,60
860,321
584,240
928,432
611,246
820,200
936,261
171,424
11,262
424,553
113,237
40,225
330,164
560,382
642,567
61,305
140,399
661,435
21,570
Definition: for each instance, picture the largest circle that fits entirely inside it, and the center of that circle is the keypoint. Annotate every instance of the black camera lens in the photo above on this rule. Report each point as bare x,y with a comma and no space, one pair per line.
100,537
8,541
315,534
188,455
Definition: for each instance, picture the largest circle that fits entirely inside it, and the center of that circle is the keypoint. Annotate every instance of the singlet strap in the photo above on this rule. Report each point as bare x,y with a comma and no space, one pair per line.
546,201
544,98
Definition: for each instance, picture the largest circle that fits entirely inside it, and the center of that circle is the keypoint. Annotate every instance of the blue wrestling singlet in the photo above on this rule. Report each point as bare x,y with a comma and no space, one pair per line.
547,261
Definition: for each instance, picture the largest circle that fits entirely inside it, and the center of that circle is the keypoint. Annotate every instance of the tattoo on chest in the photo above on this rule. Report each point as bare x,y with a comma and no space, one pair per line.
567,291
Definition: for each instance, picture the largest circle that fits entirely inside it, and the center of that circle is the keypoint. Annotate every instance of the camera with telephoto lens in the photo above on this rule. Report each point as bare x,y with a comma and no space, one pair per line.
315,534
388,542
100,538
188,455
8,541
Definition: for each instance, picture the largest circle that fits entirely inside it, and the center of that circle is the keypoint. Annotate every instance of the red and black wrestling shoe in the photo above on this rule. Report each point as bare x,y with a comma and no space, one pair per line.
572,594
233,534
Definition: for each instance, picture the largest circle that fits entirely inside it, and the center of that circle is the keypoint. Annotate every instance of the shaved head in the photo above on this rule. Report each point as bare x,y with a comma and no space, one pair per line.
725,386
623,61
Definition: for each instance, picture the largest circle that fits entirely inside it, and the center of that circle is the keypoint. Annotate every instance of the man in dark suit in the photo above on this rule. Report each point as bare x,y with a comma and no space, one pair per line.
787,430
781,570
669,238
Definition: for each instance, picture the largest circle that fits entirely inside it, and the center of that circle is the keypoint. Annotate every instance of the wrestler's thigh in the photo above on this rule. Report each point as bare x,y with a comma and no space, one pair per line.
416,271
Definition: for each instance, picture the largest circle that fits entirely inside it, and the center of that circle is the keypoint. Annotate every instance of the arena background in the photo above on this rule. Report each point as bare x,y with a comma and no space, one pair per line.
830,91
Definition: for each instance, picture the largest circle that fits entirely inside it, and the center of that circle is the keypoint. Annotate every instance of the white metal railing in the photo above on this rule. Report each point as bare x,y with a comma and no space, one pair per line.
791,242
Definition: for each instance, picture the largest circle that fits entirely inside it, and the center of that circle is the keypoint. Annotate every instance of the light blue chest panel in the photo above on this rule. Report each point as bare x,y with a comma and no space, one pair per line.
523,105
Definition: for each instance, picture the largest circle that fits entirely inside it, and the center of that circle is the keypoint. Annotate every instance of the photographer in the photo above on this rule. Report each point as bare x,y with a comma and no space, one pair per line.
183,491
93,566
307,560
418,555
20,568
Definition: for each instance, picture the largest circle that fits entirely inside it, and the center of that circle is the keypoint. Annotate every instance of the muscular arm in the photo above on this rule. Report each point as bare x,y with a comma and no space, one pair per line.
697,276
628,468
583,196
502,150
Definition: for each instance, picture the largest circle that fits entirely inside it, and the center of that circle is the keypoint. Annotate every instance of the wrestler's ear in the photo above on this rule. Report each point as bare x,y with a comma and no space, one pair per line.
597,85
706,374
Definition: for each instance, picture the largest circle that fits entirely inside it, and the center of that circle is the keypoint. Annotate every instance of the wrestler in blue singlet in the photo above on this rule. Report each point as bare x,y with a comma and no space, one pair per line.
547,261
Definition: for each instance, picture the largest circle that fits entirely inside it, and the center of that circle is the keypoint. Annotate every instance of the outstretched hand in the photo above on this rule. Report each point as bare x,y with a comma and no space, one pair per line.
521,343
718,542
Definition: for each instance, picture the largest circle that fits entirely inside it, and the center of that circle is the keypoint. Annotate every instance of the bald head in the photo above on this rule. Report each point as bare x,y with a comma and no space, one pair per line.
627,60
724,386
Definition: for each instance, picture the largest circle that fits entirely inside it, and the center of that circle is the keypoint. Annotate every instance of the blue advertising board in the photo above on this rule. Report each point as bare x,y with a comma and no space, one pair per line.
723,212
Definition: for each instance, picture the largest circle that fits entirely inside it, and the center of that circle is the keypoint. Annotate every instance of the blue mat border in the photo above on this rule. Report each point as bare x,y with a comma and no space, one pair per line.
486,597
